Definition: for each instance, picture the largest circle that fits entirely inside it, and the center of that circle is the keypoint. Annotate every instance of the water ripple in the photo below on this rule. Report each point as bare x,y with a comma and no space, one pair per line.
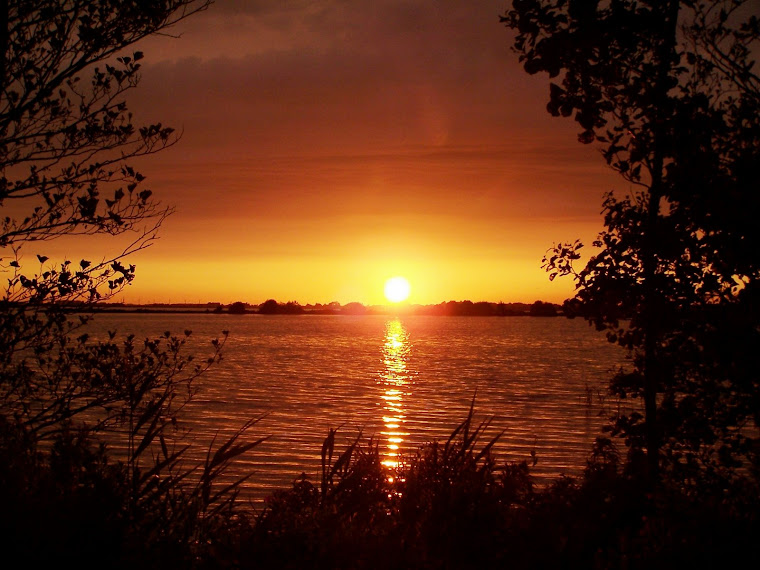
403,381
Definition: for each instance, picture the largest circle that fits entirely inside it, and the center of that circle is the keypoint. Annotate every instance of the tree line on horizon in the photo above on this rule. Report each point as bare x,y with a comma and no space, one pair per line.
448,308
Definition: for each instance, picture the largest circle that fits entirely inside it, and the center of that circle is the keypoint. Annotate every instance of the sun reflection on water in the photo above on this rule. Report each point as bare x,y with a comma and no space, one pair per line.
395,381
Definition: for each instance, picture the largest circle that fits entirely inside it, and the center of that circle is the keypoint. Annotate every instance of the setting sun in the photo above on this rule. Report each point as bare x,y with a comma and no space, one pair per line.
397,289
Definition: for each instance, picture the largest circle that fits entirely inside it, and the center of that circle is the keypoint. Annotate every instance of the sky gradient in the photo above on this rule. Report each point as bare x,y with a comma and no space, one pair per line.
328,146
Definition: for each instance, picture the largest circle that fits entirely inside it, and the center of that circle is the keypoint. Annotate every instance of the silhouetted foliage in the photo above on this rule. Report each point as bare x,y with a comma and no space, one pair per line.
478,309
292,308
669,92
66,135
66,142
353,309
237,308
272,307
268,307
541,309
451,505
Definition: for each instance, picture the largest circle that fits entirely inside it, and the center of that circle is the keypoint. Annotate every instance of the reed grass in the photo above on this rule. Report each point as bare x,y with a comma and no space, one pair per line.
448,505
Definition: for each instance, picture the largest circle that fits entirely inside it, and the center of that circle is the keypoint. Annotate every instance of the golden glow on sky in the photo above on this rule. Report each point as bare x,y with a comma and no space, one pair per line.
328,148
397,289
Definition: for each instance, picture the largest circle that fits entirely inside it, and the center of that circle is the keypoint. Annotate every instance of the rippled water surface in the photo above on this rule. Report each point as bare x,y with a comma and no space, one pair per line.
403,381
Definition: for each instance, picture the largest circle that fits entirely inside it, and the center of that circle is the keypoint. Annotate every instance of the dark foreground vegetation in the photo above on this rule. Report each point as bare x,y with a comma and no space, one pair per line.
449,506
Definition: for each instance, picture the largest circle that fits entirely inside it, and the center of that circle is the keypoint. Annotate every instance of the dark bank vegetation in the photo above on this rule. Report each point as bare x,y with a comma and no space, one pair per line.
668,91
450,505
448,309
465,308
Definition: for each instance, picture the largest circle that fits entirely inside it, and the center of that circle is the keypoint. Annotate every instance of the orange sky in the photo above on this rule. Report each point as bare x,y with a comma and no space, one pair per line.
330,145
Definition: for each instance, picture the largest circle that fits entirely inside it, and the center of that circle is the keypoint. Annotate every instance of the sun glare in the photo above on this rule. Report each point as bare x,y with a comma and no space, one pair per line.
397,289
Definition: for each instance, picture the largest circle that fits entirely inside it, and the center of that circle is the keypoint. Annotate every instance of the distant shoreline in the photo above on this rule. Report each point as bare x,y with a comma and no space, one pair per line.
271,307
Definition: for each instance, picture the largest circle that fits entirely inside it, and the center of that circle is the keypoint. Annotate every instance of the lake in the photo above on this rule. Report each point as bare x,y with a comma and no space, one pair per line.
402,381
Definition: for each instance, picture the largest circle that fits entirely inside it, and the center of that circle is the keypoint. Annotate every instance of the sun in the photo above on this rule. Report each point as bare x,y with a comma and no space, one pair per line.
397,289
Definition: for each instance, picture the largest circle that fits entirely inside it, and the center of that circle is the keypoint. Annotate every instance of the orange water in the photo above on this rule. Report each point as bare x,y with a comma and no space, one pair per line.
402,381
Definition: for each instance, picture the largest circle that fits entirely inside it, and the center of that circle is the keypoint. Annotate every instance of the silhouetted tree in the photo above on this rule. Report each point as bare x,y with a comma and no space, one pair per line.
66,143
237,308
541,309
669,92
66,139
292,308
269,307
66,135
354,308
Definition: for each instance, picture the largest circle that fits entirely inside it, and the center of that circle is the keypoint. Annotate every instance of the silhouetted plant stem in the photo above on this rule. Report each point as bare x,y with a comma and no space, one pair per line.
650,260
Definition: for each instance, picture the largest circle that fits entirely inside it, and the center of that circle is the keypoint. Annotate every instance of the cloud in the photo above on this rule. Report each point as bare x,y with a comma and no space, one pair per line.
326,128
